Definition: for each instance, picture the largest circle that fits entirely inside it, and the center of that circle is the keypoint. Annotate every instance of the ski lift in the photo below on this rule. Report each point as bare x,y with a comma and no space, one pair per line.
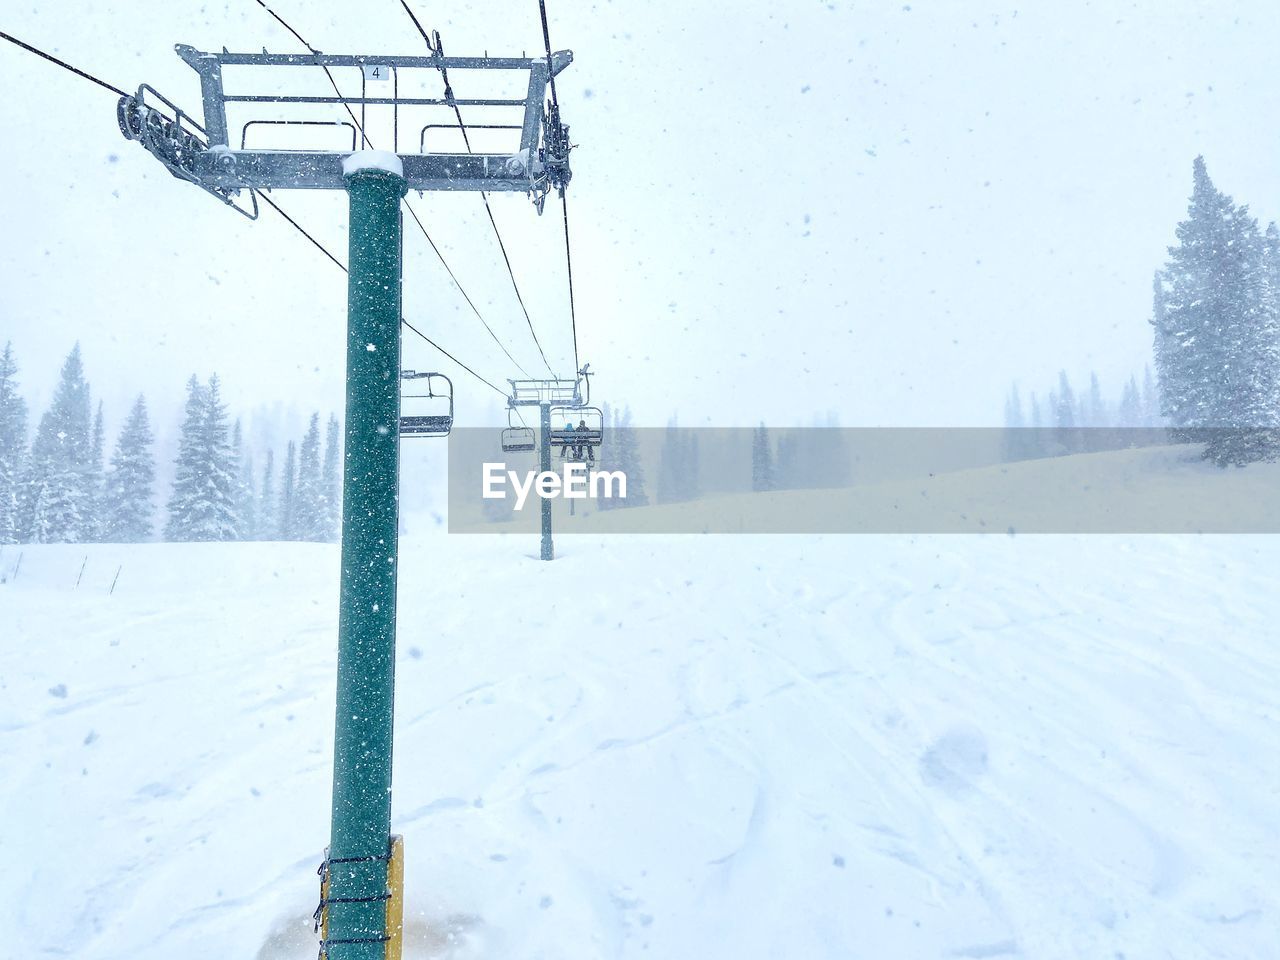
517,439
427,410
575,429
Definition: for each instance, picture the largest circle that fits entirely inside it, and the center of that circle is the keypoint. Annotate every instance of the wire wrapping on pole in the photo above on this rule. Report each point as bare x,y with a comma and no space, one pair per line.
319,915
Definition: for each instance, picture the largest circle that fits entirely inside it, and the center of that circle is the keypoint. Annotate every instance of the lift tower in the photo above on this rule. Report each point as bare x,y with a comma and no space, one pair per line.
358,911
548,395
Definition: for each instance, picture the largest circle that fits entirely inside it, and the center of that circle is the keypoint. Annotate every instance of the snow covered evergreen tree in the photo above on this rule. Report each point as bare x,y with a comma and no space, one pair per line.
331,480
1094,418
1014,443
624,454
268,518
692,473
1096,413
1130,412
203,504
128,498
13,445
310,520
786,458
1063,405
763,476
678,465
285,520
1217,330
56,504
1151,416
246,501
94,479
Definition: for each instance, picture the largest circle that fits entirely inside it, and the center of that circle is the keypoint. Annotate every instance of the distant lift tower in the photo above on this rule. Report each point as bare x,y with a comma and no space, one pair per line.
557,398
361,903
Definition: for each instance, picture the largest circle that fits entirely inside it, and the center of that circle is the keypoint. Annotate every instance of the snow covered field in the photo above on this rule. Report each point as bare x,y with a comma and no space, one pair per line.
673,747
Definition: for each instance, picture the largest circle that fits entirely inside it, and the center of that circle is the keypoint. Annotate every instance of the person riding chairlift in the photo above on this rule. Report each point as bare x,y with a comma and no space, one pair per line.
566,449
591,453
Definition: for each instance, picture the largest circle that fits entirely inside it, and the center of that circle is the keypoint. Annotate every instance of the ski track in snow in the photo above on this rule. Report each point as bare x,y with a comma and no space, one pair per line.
880,747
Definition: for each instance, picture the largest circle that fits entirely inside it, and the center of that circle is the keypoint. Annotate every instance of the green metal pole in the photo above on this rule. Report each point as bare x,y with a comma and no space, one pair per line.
548,548
359,839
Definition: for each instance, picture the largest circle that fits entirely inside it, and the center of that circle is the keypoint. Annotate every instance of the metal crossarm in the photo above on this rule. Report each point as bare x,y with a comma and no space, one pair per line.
533,393
537,165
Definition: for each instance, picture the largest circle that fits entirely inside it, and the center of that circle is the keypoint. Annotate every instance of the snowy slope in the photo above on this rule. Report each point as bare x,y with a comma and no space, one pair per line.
733,747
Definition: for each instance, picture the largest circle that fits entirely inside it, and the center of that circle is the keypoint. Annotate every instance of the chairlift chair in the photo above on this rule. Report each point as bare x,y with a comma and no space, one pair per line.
574,429
425,410
519,439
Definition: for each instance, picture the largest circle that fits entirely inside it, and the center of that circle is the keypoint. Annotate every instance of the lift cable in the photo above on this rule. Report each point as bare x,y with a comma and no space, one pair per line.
332,82
297,226
564,201
63,64
437,50
339,264
465,296
413,213
293,223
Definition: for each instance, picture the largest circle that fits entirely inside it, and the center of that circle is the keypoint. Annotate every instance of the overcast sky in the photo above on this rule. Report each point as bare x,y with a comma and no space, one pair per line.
887,210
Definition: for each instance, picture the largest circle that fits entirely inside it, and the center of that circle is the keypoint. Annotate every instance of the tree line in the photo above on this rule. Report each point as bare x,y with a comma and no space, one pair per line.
1066,422
61,488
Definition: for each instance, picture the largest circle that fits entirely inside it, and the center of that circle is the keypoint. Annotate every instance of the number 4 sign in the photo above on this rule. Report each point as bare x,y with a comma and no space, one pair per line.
377,71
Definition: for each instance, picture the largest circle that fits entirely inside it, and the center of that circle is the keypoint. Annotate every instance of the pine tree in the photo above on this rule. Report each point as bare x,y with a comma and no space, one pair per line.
1063,404
626,457
691,476
187,485
309,511
13,445
203,504
56,505
786,472
268,522
128,504
331,480
246,498
1014,441
1151,416
285,516
94,480
1216,329
1096,414
1094,418
762,472
1130,414
678,465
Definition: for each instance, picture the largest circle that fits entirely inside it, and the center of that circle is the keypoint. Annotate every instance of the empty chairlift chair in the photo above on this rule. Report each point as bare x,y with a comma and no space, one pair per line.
519,439
426,404
576,431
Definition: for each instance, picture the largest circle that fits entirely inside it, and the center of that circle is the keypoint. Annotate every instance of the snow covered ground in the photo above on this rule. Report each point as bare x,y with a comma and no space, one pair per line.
703,747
